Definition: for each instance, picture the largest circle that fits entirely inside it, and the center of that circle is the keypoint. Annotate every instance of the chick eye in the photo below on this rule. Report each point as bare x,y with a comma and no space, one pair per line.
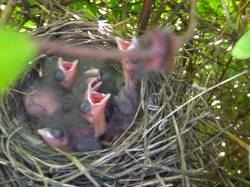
85,106
59,75
57,133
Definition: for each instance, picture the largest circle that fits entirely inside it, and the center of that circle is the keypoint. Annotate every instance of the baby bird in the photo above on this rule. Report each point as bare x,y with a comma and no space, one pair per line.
80,106
74,139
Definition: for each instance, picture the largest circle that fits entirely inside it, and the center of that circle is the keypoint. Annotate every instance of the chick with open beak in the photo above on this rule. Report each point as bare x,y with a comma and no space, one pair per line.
66,73
93,106
128,66
125,104
99,116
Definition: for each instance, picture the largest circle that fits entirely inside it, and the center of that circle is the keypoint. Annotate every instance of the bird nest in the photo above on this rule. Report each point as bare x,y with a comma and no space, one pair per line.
163,147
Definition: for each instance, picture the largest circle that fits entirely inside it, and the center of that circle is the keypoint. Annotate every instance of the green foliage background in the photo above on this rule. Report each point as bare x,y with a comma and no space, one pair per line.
206,60
16,50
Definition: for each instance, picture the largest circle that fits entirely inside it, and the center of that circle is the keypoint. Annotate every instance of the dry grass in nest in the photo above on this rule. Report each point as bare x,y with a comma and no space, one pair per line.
164,146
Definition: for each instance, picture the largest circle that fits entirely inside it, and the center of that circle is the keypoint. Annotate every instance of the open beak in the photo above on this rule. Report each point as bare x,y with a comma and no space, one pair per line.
125,45
129,67
95,113
93,72
66,73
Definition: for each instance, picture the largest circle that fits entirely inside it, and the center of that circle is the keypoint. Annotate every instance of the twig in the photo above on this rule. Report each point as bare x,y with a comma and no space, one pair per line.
242,8
91,53
67,2
144,17
174,13
192,99
80,166
223,73
185,179
226,13
193,22
230,135
6,14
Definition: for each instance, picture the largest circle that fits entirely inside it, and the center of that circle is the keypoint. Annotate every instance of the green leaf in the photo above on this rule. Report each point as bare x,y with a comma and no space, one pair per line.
30,24
137,8
114,3
15,52
248,26
77,6
241,49
92,11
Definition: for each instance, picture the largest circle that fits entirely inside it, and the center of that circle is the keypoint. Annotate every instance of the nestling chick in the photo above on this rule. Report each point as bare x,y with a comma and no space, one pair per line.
80,106
75,139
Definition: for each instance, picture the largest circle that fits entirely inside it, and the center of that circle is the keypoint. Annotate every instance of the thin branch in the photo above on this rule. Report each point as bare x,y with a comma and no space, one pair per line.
192,99
159,47
6,14
67,2
144,16
230,135
61,48
226,13
185,179
193,22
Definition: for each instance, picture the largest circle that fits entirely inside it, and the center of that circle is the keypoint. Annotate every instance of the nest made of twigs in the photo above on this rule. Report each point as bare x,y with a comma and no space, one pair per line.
161,148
